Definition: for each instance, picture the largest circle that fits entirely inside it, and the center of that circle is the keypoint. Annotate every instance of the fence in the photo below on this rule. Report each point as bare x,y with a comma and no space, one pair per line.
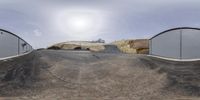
12,45
178,43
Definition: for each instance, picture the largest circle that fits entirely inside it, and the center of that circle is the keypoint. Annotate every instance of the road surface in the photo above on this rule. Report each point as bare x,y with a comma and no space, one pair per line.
83,75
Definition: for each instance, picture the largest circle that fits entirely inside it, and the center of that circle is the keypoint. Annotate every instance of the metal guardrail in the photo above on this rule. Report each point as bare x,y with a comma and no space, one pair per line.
12,45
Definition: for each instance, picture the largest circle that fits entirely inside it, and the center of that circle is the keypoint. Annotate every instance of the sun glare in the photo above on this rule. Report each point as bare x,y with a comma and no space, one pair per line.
79,23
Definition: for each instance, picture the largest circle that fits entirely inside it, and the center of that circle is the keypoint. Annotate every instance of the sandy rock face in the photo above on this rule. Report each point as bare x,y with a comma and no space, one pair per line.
140,43
79,45
138,46
96,48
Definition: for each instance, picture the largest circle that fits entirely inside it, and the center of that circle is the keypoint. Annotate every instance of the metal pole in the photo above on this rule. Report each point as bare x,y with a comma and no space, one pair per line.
18,46
181,44
150,46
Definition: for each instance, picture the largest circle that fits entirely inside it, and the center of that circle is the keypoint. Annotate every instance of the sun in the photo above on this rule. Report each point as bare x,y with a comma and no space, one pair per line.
79,23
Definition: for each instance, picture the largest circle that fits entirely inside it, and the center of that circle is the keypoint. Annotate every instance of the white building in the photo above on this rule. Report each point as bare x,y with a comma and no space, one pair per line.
178,43
12,45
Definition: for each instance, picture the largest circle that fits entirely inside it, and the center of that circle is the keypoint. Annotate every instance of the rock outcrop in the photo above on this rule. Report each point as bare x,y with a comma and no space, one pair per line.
138,46
78,45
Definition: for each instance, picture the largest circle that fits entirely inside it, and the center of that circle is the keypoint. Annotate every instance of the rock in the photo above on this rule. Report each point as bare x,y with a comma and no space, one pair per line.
79,45
138,46
54,48
140,43
142,51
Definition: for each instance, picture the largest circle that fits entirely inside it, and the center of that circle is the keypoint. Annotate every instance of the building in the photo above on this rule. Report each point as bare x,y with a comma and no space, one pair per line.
12,45
178,43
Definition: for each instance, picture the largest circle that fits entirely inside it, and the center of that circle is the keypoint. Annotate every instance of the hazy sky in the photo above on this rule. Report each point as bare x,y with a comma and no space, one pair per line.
44,22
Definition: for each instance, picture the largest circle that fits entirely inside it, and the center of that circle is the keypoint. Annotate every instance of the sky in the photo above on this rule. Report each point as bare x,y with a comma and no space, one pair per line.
45,22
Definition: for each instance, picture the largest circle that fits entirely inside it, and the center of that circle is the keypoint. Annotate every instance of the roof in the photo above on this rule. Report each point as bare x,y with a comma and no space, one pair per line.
14,35
173,30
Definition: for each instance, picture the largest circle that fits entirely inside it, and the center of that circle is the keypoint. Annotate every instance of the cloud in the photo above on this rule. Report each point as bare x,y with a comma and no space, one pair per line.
37,33
123,18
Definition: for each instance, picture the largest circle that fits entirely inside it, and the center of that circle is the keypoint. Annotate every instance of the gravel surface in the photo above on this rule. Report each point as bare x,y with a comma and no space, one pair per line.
82,75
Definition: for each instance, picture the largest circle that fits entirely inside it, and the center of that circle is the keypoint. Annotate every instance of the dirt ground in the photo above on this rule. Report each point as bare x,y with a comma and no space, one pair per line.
83,75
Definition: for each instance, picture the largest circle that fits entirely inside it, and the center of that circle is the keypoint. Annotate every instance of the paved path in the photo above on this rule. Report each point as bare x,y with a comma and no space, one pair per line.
82,75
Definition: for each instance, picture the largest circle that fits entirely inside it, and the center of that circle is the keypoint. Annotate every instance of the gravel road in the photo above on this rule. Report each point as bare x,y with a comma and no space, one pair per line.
83,75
